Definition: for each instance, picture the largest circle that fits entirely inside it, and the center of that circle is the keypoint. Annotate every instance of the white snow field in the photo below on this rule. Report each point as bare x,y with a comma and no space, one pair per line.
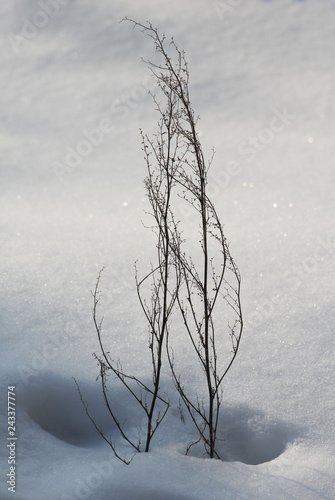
74,93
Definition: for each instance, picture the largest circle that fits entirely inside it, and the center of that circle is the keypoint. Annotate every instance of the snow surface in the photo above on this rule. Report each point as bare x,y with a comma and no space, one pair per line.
249,62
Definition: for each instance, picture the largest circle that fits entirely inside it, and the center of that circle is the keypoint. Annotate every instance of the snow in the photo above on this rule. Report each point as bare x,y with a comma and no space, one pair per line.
262,78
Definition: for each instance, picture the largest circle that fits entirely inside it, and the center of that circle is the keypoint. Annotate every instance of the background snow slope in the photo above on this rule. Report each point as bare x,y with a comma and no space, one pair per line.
249,61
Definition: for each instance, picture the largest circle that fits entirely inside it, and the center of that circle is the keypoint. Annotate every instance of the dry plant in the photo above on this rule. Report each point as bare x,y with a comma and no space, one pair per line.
188,282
